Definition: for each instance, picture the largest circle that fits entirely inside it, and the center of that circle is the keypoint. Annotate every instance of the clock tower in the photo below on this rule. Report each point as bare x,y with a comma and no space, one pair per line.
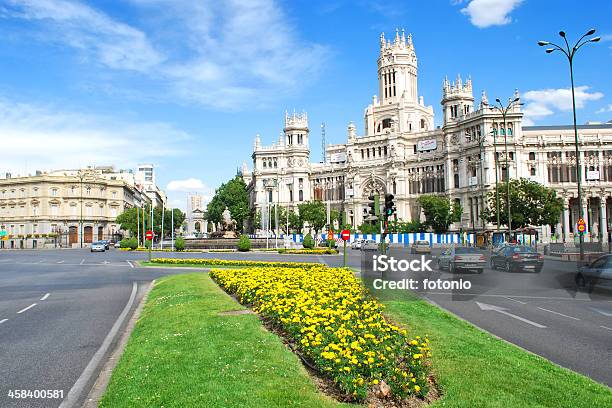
397,69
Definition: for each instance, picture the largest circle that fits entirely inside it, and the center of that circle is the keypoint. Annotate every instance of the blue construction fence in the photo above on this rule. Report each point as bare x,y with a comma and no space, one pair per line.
404,239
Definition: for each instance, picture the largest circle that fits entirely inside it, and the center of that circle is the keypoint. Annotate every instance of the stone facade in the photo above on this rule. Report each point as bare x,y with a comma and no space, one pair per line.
65,207
401,152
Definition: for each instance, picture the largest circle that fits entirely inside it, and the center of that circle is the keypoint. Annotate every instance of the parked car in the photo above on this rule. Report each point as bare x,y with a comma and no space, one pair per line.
598,272
117,245
420,247
456,259
356,244
517,258
98,247
106,243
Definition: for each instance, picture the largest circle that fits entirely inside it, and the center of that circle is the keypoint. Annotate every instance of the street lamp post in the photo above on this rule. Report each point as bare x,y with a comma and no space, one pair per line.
504,111
570,53
496,177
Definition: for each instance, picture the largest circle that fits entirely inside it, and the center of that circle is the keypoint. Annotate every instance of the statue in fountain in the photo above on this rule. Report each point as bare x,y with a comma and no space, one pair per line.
227,226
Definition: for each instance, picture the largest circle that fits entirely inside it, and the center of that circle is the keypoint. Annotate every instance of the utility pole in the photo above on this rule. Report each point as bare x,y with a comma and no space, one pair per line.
323,143
138,225
161,242
172,234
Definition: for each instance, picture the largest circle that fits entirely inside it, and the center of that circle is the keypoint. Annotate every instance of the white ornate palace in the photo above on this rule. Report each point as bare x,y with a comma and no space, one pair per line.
402,152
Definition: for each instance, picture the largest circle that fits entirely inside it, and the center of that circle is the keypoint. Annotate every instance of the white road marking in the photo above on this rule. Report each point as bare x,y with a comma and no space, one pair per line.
129,263
82,262
60,262
27,308
45,297
517,301
603,312
557,313
3,320
41,261
77,389
599,326
486,307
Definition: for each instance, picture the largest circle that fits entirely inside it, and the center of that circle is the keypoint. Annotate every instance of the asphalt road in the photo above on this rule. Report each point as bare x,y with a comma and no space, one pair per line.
70,300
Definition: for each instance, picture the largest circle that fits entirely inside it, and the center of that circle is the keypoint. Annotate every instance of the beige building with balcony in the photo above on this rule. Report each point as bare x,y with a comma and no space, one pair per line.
66,207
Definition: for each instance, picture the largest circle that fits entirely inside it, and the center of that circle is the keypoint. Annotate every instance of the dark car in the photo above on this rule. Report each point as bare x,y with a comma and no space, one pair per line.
598,272
517,258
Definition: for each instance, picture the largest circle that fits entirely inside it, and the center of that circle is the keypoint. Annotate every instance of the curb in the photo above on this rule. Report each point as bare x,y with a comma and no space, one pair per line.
99,387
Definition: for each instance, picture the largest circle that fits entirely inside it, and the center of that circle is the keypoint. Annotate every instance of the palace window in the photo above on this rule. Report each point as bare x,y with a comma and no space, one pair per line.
54,192
362,154
509,129
531,155
386,123
456,177
533,171
422,123
264,163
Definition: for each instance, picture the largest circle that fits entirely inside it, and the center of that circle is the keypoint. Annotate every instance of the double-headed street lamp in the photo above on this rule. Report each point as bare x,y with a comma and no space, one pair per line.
570,53
504,111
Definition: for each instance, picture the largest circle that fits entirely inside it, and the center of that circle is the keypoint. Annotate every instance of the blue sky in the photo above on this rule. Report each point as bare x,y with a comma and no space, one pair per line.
186,84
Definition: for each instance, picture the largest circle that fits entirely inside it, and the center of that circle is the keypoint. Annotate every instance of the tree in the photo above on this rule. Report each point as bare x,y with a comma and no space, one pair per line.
130,221
232,195
439,212
531,204
314,213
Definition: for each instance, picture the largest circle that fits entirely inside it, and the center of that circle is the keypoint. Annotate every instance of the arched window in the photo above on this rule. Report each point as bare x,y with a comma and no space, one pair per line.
509,129
533,171
422,123
386,123
264,164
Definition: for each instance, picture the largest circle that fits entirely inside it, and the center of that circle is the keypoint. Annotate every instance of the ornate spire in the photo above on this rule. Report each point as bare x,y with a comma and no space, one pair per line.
483,98
382,40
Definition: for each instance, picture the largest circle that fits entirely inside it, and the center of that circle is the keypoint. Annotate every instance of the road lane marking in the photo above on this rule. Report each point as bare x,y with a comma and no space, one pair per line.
3,320
60,262
45,297
517,301
599,326
27,308
129,263
502,310
603,312
41,261
557,313
82,262
77,389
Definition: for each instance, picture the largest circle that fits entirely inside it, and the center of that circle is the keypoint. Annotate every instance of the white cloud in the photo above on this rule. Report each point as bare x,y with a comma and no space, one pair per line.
605,109
544,102
486,13
190,184
36,137
111,43
179,190
228,54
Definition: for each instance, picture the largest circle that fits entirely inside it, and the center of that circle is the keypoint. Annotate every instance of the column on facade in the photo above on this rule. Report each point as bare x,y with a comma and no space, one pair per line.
603,211
566,220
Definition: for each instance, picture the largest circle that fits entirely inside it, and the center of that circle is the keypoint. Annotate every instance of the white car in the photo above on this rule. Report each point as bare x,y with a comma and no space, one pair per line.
356,244
369,245
98,247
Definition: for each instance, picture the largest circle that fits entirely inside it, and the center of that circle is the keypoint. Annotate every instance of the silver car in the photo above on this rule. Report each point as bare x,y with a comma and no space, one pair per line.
98,247
597,273
461,259
356,244
420,247
369,245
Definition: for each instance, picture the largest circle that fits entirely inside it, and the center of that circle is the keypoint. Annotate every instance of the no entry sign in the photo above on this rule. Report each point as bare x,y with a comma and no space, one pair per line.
346,235
149,235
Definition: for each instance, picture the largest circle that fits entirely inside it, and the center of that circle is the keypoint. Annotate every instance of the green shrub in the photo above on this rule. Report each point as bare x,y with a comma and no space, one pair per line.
179,244
309,242
282,250
132,243
124,243
148,243
244,243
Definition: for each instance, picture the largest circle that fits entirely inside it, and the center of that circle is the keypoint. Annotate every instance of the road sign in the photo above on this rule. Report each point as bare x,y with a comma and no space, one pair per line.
330,235
149,235
581,225
346,235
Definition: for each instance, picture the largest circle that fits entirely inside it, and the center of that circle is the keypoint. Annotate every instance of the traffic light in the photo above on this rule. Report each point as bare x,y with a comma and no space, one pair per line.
372,206
389,205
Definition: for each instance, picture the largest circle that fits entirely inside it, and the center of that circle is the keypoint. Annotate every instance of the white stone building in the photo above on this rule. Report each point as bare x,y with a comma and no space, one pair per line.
402,152
65,207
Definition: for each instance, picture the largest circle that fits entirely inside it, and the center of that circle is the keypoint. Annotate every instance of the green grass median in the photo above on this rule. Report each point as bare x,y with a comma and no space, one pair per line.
183,353
476,369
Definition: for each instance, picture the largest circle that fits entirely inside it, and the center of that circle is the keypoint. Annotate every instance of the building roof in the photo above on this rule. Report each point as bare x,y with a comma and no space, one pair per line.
568,127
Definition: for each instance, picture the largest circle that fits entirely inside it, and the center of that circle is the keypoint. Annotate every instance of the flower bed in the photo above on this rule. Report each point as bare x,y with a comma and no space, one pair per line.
234,262
336,325
319,251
